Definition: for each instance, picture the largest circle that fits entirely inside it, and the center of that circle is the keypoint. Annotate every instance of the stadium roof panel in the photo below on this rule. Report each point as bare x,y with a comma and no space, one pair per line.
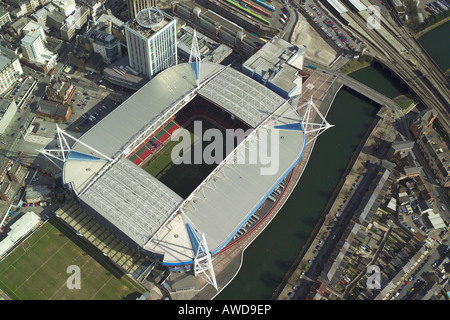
241,96
132,200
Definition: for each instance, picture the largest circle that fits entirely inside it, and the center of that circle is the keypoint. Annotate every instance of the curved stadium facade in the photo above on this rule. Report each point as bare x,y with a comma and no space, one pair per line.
104,168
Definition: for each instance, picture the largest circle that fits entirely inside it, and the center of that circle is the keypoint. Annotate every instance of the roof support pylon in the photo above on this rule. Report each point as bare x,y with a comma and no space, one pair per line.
195,59
308,120
62,152
203,266
203,263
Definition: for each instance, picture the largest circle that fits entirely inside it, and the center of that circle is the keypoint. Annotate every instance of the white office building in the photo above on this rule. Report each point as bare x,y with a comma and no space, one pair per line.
151,41
33,42
33,45
5,18
10,70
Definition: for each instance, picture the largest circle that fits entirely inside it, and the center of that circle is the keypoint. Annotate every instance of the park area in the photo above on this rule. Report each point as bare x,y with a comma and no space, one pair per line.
40,267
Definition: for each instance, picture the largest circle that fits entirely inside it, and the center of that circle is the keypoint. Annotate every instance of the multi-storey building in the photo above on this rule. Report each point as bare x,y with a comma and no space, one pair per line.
66,7
107,46
151,41
66,17
94,6
24,6
17,173
113,26
10,70
33,43
5,18
8,109
33,46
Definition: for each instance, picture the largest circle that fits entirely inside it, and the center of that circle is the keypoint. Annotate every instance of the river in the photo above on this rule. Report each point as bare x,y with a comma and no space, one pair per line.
271,254
269,257
437,45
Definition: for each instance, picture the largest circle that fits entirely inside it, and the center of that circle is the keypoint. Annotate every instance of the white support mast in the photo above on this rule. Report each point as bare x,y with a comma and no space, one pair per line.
203,266
62,152
195,58
309,126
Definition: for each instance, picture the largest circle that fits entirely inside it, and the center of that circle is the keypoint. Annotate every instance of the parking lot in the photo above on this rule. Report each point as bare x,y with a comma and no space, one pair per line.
330,26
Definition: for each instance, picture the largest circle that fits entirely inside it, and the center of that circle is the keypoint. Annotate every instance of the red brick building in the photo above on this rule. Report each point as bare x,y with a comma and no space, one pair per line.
54,110
61,90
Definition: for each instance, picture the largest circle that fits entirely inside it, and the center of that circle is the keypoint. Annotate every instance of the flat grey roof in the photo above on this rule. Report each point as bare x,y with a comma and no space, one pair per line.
358,5
339,7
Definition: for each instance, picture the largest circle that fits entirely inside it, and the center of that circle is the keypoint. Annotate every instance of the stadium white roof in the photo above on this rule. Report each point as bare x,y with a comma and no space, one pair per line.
339,7
141,206
241,96
129,197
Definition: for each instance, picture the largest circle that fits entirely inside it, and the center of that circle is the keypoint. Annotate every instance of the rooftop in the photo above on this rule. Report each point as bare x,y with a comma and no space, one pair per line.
19,229
4,62
272,62
120,73
52,108
110,19
149,21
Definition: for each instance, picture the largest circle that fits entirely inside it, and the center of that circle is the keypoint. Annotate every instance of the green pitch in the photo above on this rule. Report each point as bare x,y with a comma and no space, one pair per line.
185,177
163,160
37,269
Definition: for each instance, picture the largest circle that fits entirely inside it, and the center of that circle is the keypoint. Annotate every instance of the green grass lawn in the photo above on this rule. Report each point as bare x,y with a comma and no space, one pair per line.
37,269
355,65
404,101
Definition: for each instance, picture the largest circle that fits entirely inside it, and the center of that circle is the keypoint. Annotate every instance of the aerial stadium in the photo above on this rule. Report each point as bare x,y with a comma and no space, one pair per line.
185,217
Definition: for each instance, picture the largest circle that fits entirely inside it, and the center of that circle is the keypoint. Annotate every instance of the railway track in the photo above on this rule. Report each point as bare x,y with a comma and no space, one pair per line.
434,95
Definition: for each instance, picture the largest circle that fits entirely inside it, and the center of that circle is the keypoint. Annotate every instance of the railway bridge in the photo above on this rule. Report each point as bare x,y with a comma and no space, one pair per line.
424,78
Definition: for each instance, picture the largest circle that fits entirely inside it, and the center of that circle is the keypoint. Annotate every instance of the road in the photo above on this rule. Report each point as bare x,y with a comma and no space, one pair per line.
360,87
